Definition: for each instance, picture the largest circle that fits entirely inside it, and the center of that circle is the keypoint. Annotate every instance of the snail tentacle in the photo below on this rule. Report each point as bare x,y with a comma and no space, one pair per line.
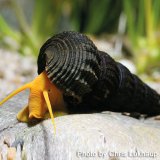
26,86
46,97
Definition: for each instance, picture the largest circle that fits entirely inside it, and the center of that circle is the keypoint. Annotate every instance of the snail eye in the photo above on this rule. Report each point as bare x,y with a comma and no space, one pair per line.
49,90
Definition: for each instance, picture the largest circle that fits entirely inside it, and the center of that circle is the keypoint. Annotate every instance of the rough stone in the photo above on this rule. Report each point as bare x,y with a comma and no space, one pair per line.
96,136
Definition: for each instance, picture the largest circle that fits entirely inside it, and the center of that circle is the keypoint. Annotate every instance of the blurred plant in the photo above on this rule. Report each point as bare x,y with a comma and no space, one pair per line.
94,16
30,36
143,29
89,16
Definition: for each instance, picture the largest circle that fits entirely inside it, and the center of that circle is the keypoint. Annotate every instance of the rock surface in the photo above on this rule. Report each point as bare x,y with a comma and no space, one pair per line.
107,135
15,70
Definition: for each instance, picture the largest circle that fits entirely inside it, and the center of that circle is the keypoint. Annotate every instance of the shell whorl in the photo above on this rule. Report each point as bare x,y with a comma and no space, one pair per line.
71,61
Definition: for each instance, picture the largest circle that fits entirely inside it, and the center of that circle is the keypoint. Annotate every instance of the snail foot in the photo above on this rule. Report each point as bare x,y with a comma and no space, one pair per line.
23,115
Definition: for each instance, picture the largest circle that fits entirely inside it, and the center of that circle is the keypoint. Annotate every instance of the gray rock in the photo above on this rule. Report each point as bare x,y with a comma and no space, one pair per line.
109,136
15,70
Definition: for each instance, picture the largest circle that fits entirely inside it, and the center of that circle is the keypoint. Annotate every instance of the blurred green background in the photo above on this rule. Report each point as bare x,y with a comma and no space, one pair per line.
26,24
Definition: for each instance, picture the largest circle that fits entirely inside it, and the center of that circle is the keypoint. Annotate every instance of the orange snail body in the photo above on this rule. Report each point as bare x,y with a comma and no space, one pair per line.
41,85
41,92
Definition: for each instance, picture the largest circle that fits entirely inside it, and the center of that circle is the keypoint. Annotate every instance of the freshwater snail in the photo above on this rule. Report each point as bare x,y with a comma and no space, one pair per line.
75,76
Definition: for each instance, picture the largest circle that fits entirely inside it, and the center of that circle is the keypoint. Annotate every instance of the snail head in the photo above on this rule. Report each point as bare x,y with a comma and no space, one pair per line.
41,91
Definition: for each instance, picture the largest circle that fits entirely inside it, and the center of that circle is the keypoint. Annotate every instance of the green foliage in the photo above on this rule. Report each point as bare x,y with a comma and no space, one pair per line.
52,16
31,36
94,16
143,27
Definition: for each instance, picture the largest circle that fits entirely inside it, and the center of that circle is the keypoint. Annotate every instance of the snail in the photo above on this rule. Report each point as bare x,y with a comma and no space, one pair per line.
74,76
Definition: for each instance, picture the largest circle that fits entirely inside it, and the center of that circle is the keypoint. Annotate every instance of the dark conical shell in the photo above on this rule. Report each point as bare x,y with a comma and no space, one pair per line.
91,79
71,61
